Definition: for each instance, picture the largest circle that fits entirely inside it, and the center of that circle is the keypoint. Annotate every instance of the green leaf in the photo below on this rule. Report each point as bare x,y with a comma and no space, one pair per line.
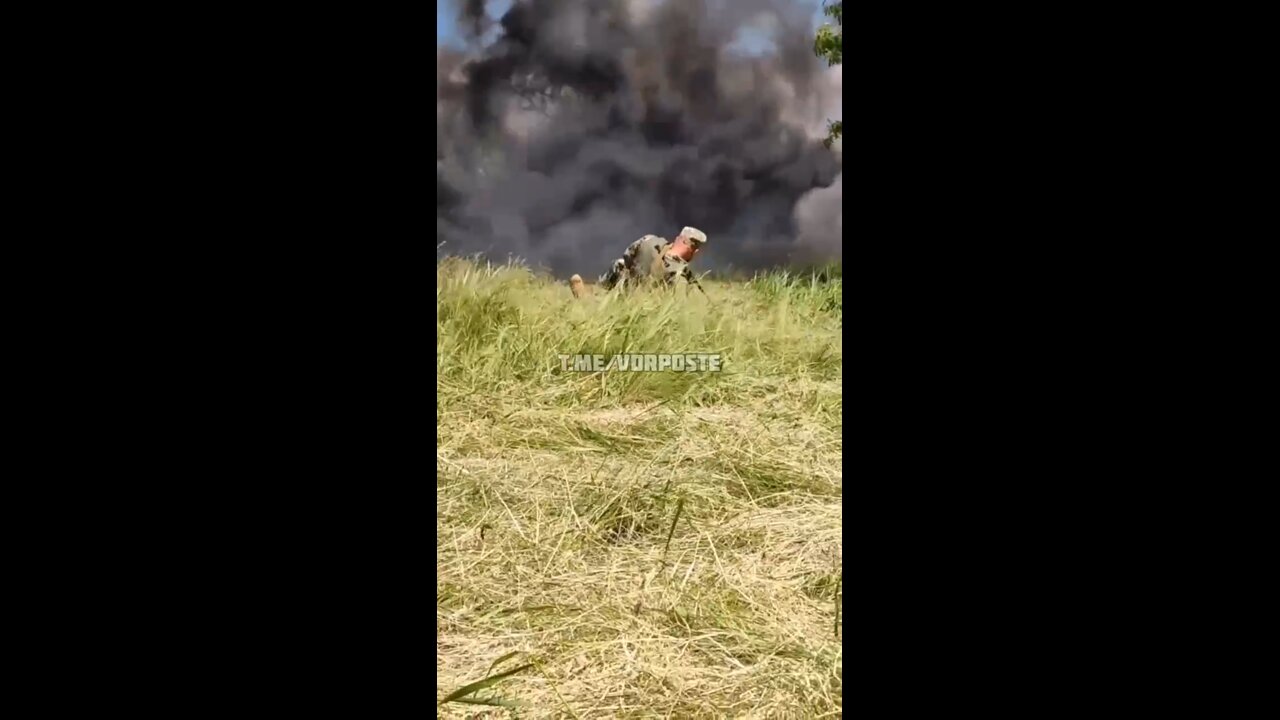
500,702
836,129
828,43
501,660
482,684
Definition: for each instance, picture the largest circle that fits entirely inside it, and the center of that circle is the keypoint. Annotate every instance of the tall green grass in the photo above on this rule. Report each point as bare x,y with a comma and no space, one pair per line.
503,326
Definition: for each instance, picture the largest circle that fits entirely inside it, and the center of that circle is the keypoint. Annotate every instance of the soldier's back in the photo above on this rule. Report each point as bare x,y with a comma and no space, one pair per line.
644,258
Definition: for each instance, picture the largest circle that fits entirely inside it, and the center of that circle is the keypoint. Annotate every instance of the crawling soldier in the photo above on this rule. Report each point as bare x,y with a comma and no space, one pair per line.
651,260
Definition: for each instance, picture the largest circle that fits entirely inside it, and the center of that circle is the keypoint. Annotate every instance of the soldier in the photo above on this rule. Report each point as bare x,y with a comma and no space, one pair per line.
652,260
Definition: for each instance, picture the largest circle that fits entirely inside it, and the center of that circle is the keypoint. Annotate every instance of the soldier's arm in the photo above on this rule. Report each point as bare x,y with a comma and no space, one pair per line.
611,278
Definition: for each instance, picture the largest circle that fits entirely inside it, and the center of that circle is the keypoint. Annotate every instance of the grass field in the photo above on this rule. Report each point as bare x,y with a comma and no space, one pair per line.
618,544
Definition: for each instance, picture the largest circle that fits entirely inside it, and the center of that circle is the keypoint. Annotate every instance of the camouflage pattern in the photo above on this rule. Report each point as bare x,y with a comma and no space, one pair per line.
652,260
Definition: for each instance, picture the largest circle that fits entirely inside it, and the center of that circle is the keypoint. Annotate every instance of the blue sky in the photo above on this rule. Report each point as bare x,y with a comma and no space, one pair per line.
447,13
446,32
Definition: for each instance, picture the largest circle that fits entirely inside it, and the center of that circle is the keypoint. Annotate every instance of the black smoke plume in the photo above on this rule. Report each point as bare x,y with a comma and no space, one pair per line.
587,123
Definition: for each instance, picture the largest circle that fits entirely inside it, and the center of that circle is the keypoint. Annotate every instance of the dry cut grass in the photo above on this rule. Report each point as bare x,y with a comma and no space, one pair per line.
637,545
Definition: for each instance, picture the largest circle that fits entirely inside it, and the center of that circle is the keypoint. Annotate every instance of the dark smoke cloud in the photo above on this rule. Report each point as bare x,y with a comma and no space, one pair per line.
473,19
588,123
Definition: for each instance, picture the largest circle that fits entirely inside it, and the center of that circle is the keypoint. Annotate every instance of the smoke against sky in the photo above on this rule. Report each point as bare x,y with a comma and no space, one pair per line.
568,128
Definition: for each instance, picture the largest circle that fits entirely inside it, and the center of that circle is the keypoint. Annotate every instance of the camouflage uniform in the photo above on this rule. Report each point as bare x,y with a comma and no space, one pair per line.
652,260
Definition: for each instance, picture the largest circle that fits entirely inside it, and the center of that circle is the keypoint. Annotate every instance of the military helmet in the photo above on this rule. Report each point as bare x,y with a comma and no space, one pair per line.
695,236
